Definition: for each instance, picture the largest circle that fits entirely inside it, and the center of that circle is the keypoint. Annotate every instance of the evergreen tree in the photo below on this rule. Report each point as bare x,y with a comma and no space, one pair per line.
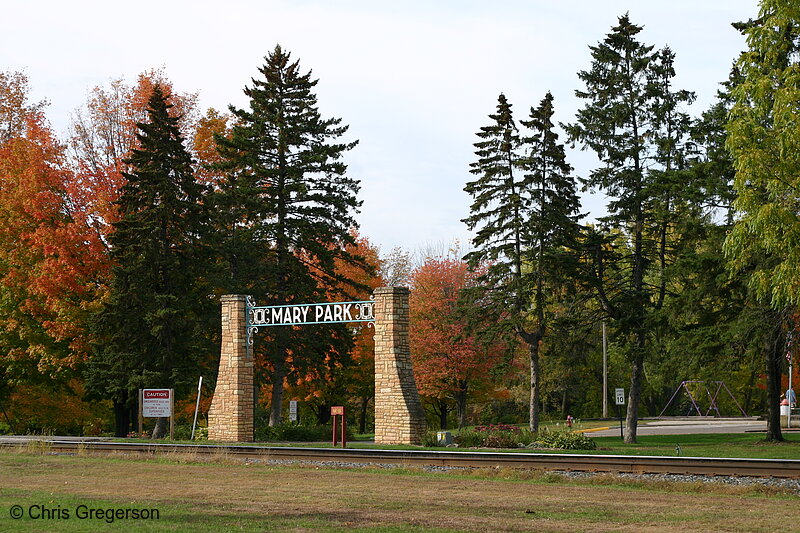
631,119
286,205
526,211
147,330
712,325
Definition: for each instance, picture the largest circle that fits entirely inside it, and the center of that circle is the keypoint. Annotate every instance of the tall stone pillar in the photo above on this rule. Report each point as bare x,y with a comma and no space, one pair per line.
399,418
230,417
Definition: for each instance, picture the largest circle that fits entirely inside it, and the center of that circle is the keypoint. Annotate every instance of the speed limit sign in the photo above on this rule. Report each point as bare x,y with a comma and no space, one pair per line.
620,393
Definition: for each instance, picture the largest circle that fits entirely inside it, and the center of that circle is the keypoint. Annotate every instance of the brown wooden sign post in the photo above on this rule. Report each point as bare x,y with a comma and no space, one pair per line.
338,411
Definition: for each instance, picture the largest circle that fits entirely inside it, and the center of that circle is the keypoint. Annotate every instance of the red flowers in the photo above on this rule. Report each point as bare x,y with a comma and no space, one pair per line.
498,427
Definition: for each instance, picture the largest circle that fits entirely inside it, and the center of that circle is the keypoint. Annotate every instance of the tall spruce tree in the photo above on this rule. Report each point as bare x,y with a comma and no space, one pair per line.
147,329
632,121
525,210
286,206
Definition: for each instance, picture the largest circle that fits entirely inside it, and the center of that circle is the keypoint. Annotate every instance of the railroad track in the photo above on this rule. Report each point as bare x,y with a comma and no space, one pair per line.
707,466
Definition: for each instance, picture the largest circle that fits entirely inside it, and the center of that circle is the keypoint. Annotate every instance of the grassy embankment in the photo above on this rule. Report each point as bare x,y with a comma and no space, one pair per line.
195,494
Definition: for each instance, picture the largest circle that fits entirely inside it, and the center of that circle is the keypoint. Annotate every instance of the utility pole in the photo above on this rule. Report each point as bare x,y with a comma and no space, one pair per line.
605,372
790,395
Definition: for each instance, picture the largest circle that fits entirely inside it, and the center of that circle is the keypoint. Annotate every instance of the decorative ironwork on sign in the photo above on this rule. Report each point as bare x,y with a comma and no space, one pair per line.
307,314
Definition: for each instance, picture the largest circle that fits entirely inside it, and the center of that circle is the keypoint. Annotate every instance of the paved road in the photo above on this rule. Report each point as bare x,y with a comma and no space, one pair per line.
684,426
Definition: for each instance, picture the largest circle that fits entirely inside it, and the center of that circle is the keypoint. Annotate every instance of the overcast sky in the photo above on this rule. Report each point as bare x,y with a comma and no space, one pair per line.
415,80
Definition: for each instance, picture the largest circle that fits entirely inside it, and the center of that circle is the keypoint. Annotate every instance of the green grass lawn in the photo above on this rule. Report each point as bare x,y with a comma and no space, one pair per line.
70,513
43,492
748,445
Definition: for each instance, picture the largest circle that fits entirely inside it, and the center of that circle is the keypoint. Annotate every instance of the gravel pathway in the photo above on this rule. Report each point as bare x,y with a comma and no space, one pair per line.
792,485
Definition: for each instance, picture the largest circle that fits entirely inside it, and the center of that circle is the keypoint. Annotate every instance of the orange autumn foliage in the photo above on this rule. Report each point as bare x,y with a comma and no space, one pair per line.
446,356
205,146
103,135
48,257
56,209
356,377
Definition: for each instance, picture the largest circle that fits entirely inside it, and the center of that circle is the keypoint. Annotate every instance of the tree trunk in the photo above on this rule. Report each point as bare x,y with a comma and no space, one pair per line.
323,414
276,402
774,352
443,410
534,400
160,430
751,385
122,419
461,403
133,414
362,414
637,368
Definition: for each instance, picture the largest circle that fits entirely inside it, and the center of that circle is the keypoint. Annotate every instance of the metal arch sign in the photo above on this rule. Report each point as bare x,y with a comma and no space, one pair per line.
307,314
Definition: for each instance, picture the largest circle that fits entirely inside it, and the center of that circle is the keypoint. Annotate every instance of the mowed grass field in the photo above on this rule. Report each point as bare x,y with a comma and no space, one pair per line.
223,494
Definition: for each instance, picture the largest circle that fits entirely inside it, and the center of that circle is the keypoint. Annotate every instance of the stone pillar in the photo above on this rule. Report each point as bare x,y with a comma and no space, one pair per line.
230,417
399,418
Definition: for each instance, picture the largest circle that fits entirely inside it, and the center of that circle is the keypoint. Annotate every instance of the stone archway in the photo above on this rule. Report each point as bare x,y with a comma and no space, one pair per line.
399,418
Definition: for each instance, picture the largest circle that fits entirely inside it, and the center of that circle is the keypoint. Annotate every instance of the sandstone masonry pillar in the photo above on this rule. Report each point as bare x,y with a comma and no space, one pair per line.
399,418
230,417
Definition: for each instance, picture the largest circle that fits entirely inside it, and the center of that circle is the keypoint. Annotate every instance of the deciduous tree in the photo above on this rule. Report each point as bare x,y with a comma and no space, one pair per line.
762,139
450,364
46,260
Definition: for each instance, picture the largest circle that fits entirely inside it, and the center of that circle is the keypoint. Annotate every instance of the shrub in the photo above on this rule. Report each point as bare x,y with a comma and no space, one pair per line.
493,436
184,432
297,433
430,439
468,438
563,439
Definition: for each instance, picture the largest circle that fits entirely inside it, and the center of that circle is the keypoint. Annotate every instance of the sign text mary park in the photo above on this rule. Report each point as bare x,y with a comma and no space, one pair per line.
320,313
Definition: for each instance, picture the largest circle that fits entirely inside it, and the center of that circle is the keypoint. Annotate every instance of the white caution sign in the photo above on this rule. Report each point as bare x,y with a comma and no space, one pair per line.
156,403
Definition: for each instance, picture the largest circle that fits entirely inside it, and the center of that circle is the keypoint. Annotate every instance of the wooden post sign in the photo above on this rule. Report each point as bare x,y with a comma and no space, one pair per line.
157,403
338,411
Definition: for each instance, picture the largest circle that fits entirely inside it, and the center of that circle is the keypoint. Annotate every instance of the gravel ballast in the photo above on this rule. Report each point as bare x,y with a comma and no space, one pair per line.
792,485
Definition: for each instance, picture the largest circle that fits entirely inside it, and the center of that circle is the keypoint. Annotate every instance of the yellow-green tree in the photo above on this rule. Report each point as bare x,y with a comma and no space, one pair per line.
763,136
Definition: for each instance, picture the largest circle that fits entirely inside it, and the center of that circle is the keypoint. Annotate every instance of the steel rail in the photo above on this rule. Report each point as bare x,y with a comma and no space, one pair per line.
636,464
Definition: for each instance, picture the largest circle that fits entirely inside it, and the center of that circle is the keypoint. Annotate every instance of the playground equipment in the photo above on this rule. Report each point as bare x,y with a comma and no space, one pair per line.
689,385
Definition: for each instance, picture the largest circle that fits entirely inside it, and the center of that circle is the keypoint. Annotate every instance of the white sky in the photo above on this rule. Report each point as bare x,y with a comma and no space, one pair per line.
415,80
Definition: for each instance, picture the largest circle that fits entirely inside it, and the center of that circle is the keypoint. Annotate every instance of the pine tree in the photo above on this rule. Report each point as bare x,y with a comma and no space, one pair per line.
287,205
147,329
526,208
631,119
